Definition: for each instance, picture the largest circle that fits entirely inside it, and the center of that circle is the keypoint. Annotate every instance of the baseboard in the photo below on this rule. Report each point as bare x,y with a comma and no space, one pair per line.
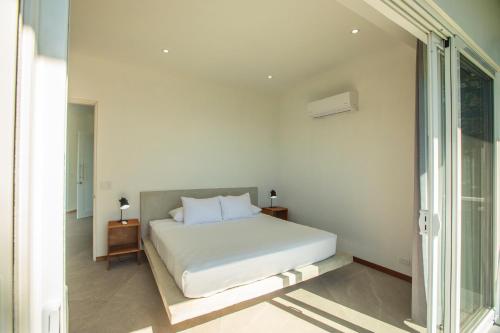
382,269
71,211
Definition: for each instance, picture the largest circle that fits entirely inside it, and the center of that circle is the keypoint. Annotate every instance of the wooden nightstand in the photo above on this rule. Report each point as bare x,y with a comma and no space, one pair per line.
124,239
279,212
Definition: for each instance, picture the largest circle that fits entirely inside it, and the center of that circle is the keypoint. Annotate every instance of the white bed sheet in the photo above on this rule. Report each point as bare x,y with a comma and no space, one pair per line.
205,259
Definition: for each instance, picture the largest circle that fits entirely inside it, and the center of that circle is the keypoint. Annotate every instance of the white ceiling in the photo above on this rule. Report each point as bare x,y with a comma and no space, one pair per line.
232,41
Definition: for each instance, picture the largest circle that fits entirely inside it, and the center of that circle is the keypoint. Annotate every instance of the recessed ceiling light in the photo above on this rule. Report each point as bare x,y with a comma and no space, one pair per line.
354,31
269,77
164,51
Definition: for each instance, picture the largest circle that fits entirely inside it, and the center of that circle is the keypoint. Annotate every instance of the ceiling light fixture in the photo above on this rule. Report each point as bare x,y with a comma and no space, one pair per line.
354,31
269,77
164,51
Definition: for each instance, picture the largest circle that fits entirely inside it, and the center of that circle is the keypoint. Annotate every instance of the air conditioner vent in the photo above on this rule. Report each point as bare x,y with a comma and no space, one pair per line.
344,102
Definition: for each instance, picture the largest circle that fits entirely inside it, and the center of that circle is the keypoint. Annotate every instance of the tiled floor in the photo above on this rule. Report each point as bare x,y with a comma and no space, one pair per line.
125,299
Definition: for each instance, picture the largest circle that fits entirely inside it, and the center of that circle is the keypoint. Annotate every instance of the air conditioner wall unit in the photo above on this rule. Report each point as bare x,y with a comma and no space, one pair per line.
344,102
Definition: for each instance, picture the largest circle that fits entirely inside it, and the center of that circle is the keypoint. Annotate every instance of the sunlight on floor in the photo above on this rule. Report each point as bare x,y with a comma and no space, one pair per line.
328,314
300,311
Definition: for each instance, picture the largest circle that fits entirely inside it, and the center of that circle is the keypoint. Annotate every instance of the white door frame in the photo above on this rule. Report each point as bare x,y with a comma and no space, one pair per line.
496,195
40,143
95,105
436,186
8,64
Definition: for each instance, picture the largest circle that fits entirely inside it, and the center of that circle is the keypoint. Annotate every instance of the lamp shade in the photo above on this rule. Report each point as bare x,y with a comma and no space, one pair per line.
273,194
123,203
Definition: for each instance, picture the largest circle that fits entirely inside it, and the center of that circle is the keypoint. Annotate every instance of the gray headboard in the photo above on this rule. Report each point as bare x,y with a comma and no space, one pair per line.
155,205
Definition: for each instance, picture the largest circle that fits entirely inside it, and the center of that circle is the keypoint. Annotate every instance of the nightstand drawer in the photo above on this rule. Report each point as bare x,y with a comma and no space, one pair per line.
278,212
119,236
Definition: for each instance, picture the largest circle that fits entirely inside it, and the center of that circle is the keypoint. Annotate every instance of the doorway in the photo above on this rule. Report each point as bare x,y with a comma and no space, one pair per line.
79,177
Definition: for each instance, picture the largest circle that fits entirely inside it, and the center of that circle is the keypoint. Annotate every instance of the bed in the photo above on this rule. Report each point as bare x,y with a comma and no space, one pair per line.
207,267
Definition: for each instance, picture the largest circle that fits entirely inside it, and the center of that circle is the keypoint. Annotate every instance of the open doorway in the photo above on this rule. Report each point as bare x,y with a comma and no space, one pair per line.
80,178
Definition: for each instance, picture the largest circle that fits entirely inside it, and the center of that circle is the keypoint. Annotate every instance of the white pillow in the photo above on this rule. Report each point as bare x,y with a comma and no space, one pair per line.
177,214
256,210
198,211
236,207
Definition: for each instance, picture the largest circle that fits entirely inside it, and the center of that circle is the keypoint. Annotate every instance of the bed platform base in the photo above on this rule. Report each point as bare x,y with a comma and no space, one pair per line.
180,308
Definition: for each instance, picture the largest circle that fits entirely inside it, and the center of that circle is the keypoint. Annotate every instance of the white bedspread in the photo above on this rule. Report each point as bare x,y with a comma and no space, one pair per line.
205,259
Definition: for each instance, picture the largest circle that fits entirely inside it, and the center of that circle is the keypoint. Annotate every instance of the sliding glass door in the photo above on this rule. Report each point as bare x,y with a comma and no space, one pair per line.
469,263
475,139
460,177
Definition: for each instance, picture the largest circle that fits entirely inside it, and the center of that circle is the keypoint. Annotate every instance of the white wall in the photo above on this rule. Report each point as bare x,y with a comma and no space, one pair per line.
159,131
480,19
352,173
80,119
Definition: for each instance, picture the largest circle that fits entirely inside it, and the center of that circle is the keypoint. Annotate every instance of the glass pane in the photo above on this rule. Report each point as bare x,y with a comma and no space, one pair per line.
476,125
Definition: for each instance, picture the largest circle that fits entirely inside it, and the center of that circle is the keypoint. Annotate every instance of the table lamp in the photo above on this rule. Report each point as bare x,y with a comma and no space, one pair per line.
123,205
273,196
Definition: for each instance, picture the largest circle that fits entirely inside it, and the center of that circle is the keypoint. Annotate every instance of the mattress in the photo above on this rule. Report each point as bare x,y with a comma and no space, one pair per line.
205,259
